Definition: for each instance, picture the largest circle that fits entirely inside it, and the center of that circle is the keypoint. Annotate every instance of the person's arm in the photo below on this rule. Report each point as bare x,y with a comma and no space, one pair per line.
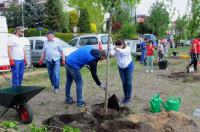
125,51
10,53
194,46
42,57
25,60
93,70
112,52
60,49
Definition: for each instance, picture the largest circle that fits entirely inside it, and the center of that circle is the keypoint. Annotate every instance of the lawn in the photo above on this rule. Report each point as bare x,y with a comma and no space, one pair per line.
47,104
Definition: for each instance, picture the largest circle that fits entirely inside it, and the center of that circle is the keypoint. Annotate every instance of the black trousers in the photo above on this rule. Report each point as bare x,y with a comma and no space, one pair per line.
194,60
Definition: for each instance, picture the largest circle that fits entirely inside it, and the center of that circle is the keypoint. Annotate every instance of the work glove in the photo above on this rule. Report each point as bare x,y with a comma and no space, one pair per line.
102,86
12,62
40,62
25,62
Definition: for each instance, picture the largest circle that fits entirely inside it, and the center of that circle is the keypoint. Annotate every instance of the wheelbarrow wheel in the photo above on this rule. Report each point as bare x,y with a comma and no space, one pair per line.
25,114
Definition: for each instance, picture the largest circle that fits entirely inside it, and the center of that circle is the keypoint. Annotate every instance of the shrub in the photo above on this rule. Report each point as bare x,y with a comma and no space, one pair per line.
64,36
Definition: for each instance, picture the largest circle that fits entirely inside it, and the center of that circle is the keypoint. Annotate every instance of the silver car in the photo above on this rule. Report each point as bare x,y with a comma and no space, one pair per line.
37,48
98,41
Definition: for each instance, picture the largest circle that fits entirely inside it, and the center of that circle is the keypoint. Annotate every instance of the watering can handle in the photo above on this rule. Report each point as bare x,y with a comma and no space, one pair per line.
179,99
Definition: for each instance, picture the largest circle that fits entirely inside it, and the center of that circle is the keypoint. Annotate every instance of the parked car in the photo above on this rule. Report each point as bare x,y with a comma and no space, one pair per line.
185,42
134,45
98,41
37,48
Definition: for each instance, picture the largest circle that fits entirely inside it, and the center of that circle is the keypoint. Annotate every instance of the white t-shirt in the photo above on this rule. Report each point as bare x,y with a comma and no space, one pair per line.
17,47
160,48
123,56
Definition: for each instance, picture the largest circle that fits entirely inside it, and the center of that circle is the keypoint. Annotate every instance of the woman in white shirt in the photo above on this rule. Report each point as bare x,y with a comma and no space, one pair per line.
122,53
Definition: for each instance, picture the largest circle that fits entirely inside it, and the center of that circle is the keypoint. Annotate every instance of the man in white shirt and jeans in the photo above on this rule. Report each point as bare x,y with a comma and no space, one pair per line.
17,56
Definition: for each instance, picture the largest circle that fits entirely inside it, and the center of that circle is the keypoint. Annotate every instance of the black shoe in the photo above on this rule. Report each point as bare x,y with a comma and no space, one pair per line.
187,69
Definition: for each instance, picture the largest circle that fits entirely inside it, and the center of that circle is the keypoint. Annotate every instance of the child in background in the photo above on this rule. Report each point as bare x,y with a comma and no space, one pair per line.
160,50
122,52
150,56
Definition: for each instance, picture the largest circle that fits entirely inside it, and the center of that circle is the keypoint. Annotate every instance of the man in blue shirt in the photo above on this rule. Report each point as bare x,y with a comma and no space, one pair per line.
52,52
143,50
85,55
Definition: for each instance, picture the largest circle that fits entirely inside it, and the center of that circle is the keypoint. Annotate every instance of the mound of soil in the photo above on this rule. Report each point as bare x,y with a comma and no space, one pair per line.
194,77
182,75
88,121
125,126
83,121
99,112
166,122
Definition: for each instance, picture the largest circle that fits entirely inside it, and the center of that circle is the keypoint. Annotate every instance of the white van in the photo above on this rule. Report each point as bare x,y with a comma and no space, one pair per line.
4,60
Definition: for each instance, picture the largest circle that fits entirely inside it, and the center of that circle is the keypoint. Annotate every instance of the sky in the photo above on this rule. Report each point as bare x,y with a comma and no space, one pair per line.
180,5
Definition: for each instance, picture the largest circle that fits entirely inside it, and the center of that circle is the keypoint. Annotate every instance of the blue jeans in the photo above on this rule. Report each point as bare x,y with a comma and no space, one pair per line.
143,56
126,75
17,73
54,72
73,74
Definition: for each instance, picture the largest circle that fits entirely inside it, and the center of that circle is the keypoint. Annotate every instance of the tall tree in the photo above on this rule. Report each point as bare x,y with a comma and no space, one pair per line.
13,15
159,19
33,14
73,19
97,8
194,25
181,27
56,18
83,23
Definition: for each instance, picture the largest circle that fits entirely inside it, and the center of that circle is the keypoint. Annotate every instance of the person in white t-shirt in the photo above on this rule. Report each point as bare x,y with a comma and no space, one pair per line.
122,53
160,50
17,56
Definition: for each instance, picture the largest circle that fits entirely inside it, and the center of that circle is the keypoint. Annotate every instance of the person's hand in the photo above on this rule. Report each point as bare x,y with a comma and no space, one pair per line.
12,62
63,62
25,62
103,86
40,62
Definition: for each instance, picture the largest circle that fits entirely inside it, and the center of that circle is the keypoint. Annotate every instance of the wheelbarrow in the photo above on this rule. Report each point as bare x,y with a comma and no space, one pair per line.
17,98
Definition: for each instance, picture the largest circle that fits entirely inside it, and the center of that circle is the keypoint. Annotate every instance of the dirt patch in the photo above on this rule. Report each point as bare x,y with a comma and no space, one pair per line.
99,112
90,120
81,120
182,75
125,126
166,122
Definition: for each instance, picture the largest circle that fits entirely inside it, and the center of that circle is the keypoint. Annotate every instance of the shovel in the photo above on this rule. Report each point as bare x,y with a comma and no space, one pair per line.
113,102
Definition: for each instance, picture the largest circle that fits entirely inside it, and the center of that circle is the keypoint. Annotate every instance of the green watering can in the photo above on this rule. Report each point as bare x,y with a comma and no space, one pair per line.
172,104
155,103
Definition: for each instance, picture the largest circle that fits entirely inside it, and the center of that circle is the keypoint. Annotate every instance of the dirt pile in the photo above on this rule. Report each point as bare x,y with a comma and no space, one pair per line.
182,75
166,122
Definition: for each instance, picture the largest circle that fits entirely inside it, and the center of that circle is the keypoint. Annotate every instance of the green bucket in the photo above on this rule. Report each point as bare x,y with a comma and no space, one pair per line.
173,103
155,103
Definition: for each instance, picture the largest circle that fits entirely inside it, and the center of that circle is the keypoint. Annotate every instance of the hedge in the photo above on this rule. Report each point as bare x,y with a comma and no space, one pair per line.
31,32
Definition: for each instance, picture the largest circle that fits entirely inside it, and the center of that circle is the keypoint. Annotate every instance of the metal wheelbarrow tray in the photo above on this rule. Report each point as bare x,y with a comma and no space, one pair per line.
17,98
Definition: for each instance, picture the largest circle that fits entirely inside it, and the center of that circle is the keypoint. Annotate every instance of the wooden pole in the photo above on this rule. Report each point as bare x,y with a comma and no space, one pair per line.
107,64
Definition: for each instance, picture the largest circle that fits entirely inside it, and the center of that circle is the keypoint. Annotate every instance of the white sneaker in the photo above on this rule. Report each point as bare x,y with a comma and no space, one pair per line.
151,71
56,91
147,71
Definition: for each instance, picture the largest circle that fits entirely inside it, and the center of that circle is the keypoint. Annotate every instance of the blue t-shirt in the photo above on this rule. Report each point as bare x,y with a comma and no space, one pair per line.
143,46
80,57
